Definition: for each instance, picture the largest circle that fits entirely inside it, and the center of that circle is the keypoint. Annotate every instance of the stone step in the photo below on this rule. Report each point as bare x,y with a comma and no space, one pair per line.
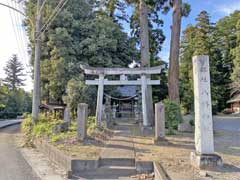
129,162
108,172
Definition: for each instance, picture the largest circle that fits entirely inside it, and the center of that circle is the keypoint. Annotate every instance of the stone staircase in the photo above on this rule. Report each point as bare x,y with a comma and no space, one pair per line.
117,159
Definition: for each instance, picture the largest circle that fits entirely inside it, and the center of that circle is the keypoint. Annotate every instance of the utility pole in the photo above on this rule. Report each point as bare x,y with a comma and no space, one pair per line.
36,88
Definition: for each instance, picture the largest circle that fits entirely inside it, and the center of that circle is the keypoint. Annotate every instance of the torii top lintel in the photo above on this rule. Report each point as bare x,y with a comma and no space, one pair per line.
120,71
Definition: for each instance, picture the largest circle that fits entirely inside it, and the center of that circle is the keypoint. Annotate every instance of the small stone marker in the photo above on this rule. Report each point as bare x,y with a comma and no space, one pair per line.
67,115
204,156
159,121
82,115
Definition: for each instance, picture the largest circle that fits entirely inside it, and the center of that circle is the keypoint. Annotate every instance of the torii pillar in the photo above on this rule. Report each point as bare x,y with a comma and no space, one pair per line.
99,109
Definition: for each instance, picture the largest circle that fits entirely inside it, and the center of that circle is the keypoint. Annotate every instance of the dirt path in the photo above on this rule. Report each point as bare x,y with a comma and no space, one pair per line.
175,156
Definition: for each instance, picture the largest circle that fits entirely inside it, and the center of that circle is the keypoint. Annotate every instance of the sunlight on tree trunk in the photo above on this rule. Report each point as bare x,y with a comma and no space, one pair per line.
173,76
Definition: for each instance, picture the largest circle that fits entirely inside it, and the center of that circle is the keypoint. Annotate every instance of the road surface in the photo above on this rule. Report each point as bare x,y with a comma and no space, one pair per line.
227,123
12,164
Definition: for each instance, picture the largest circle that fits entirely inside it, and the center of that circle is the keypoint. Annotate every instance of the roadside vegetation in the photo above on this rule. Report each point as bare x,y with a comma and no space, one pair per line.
173,116
14,100
67,141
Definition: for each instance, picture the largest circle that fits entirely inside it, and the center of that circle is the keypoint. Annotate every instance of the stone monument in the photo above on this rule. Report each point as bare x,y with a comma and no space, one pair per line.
204,156
82,115
67,115
159,121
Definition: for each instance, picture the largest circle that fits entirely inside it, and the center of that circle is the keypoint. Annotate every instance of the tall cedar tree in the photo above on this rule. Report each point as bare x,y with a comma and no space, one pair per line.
14,73
179,10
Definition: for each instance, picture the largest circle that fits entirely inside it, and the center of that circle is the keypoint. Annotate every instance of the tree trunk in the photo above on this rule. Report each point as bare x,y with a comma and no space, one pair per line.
173,76
145,55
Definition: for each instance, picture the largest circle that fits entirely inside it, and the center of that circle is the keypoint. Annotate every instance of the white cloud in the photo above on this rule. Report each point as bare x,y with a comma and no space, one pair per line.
228,8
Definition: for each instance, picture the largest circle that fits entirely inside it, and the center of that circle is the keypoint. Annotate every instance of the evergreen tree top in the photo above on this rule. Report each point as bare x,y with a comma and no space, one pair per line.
14,73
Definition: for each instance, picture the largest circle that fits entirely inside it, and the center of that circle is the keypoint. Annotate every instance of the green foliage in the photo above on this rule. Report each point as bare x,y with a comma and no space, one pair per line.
235,76
76,92
160,92
14,72
14,102
172,115
203,34
91,125
44,128
57,137
116,9
26,129
192,122
77,36
186,74
186,9
220,43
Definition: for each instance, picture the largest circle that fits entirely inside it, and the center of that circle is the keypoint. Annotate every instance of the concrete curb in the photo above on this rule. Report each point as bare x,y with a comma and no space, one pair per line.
160,173
72,166
10,124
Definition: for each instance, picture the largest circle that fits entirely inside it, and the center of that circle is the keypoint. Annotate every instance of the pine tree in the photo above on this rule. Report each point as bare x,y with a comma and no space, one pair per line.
14,73
203,35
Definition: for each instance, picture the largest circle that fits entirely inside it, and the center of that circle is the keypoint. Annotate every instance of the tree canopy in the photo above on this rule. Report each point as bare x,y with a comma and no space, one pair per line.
220,42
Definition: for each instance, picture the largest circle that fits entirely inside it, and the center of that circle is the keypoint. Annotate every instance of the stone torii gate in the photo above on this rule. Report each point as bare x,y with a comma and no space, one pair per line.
144,82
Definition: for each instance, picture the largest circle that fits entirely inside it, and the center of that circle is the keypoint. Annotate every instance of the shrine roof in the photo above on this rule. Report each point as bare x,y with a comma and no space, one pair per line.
234,99
127,91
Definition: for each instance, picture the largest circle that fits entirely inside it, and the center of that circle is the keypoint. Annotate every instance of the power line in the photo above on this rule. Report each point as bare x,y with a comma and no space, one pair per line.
15,33
53,14
24,41
57,10
18,23
43,4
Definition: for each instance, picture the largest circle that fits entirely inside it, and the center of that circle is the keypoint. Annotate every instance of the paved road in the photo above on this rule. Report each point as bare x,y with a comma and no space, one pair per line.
6,123
227,123
12,165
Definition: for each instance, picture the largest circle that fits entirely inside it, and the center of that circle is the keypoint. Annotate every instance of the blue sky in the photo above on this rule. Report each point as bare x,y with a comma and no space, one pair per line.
216,8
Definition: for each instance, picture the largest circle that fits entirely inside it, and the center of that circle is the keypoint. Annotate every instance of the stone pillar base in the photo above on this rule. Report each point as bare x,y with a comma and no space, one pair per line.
146,130
205,161
160,141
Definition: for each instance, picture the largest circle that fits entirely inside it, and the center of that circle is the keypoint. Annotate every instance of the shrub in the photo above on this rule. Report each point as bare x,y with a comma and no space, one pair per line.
91,125
43,127
26,129
172,114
